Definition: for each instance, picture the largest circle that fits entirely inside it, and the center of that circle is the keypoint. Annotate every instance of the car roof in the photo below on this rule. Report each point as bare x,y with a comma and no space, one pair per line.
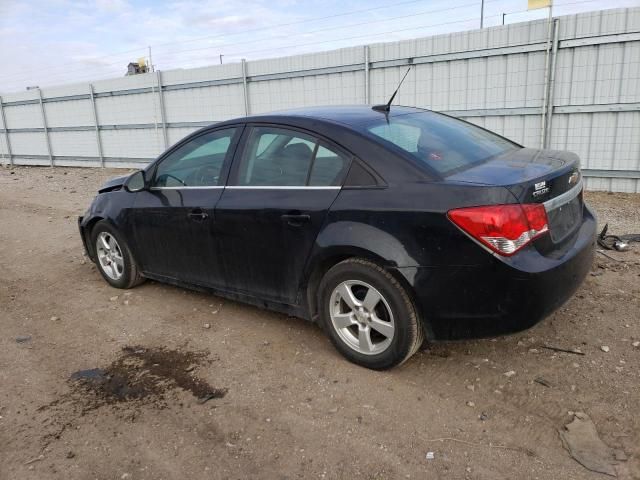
343,125
347,115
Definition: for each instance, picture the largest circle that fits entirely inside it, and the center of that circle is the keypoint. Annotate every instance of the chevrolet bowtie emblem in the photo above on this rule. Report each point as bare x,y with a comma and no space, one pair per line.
573,178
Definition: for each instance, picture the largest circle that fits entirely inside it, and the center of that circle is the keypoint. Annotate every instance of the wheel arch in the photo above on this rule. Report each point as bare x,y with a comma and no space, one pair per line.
87,227
330,257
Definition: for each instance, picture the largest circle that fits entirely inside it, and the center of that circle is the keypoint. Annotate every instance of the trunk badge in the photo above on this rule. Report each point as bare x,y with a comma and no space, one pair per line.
540,189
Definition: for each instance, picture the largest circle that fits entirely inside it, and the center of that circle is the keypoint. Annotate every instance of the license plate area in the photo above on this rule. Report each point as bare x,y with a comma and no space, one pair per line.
564,219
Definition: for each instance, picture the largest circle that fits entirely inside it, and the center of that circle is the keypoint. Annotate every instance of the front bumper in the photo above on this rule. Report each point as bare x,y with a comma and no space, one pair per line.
503,297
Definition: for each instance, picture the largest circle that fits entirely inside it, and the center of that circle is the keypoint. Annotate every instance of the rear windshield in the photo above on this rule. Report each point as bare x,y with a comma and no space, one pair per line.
443,143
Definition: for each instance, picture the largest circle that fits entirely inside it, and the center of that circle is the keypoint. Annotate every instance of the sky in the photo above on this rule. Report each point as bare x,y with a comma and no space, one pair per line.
53,42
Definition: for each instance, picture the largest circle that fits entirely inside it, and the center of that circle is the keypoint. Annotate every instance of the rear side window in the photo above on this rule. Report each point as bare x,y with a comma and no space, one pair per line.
443,143
281,157
328,168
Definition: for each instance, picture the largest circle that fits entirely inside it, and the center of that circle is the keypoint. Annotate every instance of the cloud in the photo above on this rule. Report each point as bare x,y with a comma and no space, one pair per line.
224,22
57,41
112,6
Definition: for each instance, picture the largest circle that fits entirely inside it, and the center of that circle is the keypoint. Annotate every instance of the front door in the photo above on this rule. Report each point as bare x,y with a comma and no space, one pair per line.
281,187
174,220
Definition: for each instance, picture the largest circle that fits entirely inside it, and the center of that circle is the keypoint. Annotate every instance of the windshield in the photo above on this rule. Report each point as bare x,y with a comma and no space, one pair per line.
443,143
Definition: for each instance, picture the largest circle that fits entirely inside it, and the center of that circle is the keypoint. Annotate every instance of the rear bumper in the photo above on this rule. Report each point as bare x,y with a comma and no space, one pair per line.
503,297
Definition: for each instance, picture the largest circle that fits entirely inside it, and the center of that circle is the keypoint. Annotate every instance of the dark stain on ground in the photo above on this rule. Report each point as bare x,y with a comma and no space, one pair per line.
139,377
145,374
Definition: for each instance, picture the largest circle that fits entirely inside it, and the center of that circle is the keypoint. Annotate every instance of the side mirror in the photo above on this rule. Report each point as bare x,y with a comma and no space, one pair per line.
136,182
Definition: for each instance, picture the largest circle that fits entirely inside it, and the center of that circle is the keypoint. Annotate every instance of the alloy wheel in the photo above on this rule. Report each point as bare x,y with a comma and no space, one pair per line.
361,317
110,256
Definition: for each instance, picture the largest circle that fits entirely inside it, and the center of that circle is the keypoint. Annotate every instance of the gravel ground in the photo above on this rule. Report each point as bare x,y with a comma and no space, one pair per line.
284,403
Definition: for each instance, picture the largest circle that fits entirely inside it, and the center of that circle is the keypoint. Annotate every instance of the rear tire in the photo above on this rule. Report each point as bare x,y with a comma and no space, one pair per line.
368,315
113,257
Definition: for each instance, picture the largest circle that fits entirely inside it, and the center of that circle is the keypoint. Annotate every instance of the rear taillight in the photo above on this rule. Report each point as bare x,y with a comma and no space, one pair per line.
504,229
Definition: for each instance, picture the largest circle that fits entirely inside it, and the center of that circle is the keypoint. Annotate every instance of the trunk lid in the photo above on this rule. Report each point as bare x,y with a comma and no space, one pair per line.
550,177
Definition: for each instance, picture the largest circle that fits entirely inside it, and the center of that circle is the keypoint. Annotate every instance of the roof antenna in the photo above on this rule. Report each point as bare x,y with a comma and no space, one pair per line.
386,108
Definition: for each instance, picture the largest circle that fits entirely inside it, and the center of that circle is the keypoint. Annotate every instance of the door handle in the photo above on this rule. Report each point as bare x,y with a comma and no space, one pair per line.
197,214
295,220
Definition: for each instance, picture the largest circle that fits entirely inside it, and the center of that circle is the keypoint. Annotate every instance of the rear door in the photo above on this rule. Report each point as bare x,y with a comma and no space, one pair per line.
174,220
282,184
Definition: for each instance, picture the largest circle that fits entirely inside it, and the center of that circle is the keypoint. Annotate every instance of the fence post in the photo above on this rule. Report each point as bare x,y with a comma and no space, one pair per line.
162,116
46,130
245,87
6,132
95,122
552,81
547,72
366,75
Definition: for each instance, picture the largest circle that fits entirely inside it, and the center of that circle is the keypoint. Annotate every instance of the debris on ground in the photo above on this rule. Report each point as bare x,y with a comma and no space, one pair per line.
621,243
542,382
23,338
430,455
563,350
215,393
604,348
620,455
34,460
510,373
580,438
524,450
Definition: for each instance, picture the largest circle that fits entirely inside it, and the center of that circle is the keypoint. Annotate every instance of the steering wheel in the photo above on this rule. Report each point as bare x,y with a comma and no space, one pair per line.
164,176
206,176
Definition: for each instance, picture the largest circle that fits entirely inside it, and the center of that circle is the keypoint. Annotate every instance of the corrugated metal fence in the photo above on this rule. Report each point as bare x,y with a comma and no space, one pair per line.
584,96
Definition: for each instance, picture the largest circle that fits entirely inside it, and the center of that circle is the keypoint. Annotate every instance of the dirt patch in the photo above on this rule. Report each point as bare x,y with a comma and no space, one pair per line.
144,375
479,409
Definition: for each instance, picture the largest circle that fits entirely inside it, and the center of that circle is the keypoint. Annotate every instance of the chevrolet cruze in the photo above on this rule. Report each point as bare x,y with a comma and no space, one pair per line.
386,226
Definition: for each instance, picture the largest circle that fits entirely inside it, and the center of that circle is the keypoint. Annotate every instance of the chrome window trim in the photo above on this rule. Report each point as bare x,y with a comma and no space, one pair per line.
564,198
283,187
252,187
187,188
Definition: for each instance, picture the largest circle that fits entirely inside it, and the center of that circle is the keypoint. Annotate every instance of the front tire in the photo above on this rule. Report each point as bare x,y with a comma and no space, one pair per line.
368,315
113,257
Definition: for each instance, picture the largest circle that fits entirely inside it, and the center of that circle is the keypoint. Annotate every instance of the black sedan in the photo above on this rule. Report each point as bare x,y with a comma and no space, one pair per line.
385,227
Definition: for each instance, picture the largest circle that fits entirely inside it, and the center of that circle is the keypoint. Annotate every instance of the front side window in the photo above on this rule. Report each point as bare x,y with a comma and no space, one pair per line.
280,157
443,143
197,163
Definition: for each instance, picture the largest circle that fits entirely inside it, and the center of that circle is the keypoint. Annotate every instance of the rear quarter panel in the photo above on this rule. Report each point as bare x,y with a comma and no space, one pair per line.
405,225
